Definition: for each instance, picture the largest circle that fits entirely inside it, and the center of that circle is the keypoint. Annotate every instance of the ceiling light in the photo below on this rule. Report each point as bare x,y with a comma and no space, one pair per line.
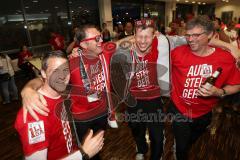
177,0
26,7
203,3
56,7
199,2
35,1
193,2
126,13
227,1
186,1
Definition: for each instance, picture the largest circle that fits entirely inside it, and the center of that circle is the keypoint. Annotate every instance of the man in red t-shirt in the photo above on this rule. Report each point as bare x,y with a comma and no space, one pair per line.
92,107
137,84
56,41
192,102
145,89
23,57
51,137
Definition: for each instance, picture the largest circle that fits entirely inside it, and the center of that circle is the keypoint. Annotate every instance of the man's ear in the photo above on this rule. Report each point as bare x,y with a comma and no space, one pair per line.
43,73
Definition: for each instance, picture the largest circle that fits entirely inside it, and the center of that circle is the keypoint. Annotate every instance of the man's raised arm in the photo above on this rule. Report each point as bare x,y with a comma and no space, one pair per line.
229,47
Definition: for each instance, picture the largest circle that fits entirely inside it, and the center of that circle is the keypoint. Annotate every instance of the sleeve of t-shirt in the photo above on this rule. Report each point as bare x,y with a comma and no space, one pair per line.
176,41
163,65
33,134
234,78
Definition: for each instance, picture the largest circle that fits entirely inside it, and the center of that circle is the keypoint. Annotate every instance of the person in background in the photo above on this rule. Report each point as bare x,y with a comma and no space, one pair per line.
115,34
23,57
231,33
174,28
182,28
105,33
50,137
120,28
74,43
238,39
56,41
128,30
218,31
8,87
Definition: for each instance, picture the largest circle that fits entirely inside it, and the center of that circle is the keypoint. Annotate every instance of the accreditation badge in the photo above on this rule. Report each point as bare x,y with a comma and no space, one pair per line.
36,132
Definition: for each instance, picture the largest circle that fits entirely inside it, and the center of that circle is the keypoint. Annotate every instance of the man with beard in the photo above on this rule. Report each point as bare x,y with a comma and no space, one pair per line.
51,137
90,91
190,99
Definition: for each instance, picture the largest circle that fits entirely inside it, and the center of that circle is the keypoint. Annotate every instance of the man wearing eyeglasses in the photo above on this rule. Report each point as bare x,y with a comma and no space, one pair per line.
147,78
91,107
190,99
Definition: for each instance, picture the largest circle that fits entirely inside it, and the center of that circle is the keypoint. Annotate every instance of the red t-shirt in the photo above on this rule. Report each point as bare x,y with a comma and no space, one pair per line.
144,82
52,132
87,104
22,56
189,71
57,42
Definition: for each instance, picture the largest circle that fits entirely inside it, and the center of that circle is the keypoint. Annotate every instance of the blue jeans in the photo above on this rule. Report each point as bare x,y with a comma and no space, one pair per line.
9,88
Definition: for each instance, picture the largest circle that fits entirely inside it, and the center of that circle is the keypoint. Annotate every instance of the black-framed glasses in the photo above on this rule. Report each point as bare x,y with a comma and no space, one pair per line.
194,36
97,38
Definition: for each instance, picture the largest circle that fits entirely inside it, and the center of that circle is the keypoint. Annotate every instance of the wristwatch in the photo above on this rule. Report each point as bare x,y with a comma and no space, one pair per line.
85,156
224,93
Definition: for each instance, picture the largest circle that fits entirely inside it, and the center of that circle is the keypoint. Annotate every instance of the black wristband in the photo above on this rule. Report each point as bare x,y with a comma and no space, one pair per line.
85,156
224,93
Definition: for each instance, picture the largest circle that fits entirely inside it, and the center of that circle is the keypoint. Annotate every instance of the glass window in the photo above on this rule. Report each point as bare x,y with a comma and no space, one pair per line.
84,12
44,16
184,11
12,31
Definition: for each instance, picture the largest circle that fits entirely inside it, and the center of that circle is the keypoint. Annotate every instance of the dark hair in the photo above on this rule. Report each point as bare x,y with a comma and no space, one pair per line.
81,34
127,23
21,48
218,20
52,54
201,21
